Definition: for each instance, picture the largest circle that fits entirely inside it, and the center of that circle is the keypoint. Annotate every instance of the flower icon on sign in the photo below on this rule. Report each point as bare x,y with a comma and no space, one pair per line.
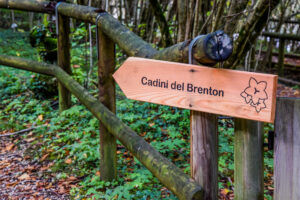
255,94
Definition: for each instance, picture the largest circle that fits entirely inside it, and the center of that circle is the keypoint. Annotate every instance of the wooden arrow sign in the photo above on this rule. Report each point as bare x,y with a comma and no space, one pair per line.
220,91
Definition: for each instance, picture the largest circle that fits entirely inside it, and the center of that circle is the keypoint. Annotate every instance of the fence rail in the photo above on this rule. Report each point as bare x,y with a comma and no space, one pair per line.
282,38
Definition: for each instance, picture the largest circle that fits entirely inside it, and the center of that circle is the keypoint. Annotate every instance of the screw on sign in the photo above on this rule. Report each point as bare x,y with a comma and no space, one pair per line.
220,91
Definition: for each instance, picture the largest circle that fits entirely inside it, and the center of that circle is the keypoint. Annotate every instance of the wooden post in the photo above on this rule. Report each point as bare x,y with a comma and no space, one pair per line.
204,137
204,152
106,67
248,160
281,57
287,149
63,56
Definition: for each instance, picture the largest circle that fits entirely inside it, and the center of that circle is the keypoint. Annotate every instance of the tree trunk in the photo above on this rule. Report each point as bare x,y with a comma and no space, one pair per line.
235,12
189,20
217,18
162,23
250,30
197,21
182,16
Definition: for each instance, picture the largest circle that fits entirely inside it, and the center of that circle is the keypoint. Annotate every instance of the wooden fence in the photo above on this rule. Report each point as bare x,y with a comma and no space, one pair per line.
282,38
248,134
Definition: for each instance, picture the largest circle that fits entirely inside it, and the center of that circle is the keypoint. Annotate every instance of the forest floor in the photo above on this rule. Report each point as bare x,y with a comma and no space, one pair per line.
22,177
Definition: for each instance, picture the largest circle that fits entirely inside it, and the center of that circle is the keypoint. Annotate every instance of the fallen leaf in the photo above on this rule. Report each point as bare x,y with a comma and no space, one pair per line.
98,173
61,189
27,157
30,133
30,168
143,134
44,157
24,177
11,184
130,169
49,186
72,178
151,124
44,168
225,191
68,161
29,139
26,188
9,147
40,117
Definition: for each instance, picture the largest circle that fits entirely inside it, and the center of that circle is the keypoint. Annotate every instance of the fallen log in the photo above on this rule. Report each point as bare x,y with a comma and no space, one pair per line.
170,175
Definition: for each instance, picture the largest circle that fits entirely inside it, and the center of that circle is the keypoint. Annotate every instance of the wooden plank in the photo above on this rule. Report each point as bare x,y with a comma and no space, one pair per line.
63,55
248,160
287,149
204,152
219,91
106,84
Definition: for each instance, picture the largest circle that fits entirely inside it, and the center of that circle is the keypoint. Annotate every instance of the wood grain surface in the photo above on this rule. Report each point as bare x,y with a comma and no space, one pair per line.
204,152
287,149
219,91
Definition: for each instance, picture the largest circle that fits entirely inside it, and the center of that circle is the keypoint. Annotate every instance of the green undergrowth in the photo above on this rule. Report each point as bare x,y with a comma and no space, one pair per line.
70,140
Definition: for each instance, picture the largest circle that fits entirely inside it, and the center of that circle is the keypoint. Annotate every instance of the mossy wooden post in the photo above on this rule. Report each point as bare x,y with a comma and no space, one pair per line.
248,160
281,57
204,152
63,56
287,149
106,67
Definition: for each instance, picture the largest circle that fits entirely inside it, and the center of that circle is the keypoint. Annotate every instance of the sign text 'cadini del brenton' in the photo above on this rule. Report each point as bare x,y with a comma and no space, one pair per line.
220,91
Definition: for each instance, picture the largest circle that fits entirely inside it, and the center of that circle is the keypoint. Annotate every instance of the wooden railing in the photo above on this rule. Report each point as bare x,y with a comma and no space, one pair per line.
282,38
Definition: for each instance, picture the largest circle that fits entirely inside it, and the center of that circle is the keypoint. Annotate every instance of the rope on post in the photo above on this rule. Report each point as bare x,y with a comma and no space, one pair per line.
56,16
191,45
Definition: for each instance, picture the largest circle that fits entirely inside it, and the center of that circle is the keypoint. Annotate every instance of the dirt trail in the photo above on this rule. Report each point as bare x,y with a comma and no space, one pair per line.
23,178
